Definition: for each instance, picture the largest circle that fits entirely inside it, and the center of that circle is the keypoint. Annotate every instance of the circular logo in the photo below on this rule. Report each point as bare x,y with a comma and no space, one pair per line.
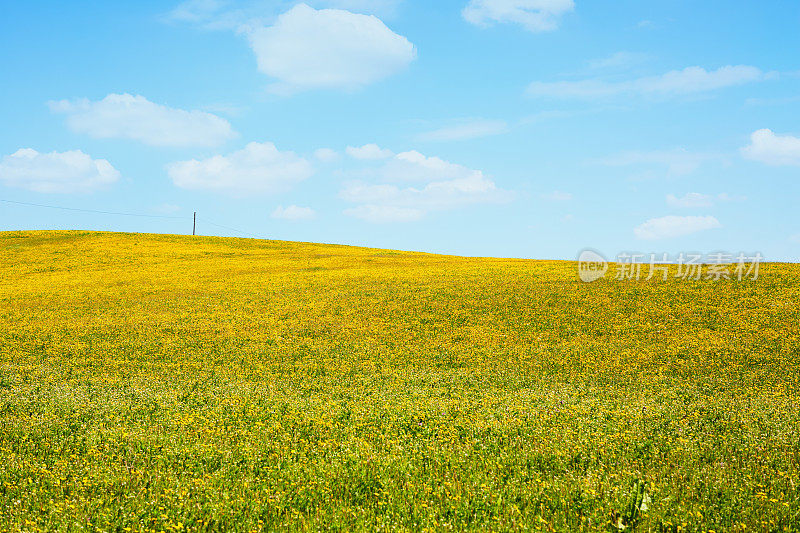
591,266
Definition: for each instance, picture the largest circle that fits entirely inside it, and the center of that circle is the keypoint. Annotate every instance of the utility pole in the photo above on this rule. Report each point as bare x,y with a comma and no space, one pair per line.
194,222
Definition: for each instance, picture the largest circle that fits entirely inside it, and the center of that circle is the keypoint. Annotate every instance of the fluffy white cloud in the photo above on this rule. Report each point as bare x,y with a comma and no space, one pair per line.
293,212
692,199
368,151
674,226
56,172
328,48
534,15
380,214
125,116
468,130
259,168
674,83
772,149
326,155
446,186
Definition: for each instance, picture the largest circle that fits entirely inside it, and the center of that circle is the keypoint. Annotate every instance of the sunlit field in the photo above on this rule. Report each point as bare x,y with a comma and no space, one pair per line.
169,383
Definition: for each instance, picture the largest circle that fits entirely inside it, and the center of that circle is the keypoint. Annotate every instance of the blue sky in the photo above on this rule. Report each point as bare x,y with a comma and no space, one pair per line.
518,128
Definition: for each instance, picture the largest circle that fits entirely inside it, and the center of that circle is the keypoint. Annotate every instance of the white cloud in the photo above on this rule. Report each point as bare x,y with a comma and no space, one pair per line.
56,172
468,130
368,151
413,166
380,214
690,80
326,155
328,48
692,199
125,116
534,15
446,186
259,168
696,199
772,149
293,212
558,196
678,161
674,226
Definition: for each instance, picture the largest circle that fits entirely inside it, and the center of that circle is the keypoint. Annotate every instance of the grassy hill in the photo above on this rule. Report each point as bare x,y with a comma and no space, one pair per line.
159,382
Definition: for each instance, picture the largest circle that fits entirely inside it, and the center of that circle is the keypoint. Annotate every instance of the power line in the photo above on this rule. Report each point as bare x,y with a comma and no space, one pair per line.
93,210
229,228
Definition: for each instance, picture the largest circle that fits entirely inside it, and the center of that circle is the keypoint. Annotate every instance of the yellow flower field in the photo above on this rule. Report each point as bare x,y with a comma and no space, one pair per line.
170,383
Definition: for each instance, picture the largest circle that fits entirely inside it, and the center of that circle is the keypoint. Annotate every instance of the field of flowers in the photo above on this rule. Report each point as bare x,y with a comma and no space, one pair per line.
170,383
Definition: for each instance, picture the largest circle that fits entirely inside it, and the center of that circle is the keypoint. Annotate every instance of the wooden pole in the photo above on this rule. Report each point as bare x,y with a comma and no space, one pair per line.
194,222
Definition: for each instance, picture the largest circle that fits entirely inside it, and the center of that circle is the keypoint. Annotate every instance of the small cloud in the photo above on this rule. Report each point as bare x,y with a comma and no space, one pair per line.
537,16
692,199
368,151
696,199
259,168
56,172
465,131
645,24
567,218
294,213
691,80
326,155
126,116
557,196
381,214
772,149
674,226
